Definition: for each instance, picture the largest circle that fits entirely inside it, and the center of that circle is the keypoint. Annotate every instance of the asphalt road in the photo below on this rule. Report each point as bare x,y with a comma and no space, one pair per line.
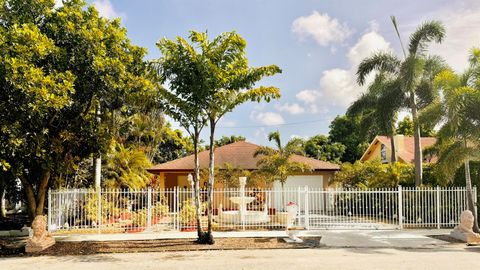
459,257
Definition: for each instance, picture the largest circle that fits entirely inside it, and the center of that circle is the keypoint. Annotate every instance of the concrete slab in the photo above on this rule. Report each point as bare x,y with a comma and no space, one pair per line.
330,238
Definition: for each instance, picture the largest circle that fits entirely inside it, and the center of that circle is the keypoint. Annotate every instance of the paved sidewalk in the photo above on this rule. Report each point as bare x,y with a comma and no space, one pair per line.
330,238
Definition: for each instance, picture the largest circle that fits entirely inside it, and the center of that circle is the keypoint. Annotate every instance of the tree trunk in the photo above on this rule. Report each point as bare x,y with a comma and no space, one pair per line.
211,181
3,211
394,148
417,143
41,192
196,188
36,202
470,199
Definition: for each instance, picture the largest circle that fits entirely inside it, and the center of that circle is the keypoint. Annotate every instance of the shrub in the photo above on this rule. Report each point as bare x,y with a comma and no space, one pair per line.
374,174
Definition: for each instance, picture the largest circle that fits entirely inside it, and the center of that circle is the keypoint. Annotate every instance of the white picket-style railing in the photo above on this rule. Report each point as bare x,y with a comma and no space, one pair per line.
88,210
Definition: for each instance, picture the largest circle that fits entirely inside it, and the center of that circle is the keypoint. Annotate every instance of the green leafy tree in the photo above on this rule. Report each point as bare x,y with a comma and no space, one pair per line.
125,168
173,145
276,164
228,81
58,66
457,110
184,99
405,127
322,148
377,109
414,74
347,131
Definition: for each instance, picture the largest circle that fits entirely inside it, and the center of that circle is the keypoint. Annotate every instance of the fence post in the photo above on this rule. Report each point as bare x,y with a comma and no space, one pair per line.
176,224
49,215
149,209
99,210
400,207
306,210
438,207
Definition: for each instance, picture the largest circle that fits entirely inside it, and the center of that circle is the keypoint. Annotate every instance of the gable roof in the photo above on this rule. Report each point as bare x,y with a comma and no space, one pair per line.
407,153
238,154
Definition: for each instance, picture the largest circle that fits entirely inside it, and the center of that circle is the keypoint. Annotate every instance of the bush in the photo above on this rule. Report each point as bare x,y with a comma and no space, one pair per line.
374,174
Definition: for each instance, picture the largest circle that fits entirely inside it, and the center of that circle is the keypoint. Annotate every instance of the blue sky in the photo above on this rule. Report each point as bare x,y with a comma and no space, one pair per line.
317,43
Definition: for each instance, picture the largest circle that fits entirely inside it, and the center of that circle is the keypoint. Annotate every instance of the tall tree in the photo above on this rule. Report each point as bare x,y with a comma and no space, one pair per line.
414,73
458,138
347,131
184,99
377,109
229,81
322,148
57,66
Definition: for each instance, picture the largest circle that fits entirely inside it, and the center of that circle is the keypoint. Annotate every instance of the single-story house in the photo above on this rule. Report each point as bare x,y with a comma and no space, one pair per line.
240,155
380,148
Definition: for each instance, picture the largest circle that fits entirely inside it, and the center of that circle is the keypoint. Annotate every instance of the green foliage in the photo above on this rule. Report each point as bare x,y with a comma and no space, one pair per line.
405,127
412,76
229,175
173,145
346,130
64,69
126,168
275,164
224,140
374,174
109,209
188,212
457,111
322,148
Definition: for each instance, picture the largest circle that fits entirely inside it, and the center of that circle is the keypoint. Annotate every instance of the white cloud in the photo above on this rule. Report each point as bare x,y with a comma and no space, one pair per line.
462,25
310,99
339,86
294,108
267,118
321,27
308,96
105,9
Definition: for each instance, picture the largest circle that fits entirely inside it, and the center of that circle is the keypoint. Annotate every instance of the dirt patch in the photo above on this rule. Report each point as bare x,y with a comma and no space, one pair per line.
92,247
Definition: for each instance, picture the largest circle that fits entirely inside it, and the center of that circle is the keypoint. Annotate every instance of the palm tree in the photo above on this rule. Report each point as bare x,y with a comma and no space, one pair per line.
414,74
459,136
277,163
377,108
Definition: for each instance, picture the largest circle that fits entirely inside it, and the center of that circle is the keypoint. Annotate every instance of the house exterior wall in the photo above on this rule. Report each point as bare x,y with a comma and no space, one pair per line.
375,153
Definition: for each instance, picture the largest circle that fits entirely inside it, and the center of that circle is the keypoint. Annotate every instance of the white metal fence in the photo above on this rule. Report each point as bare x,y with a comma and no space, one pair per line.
86,210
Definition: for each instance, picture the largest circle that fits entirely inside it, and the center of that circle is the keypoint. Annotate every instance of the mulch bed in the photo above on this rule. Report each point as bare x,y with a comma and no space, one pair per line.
91,247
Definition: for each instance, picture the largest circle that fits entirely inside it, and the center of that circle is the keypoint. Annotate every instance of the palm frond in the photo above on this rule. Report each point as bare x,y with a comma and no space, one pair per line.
427,32
381,61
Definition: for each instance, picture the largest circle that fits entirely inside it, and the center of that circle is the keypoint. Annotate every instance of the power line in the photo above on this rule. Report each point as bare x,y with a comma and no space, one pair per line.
276,125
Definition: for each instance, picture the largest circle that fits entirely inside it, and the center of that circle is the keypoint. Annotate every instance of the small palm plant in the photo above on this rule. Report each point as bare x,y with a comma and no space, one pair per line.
276,164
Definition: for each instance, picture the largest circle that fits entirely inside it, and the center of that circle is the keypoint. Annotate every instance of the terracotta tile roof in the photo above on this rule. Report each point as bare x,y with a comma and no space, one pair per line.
239,154
408,152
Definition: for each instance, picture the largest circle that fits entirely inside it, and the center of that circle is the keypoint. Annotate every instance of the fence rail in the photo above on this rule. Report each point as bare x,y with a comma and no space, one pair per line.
87,210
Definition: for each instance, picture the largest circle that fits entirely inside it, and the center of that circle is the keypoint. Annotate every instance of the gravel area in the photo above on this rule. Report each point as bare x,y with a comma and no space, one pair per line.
91,247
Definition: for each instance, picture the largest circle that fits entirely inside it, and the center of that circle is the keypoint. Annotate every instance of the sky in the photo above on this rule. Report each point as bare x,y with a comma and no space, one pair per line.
318,44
